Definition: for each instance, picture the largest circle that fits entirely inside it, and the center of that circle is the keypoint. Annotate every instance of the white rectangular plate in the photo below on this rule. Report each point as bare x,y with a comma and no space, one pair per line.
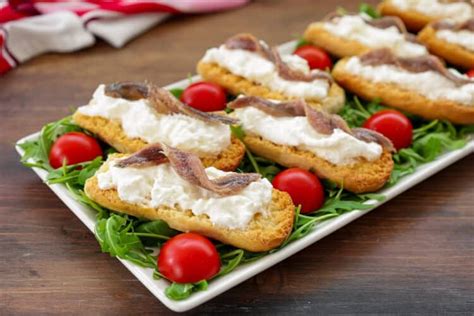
246,271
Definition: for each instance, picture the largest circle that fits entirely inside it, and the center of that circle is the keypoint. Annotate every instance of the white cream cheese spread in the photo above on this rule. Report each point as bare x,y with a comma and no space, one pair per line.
355,27
430,84
339,148
160,185
255,68
458,11
139,120
463,38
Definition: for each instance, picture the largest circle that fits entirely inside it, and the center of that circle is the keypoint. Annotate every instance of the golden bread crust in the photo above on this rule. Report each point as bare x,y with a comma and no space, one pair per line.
262,234
414,21
237,85
363,176
112,133
405,100
454,54
316,34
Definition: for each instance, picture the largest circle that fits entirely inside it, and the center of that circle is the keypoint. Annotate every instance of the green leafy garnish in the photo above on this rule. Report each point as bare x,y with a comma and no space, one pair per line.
369,10
177,92
181,291
116,237
301,42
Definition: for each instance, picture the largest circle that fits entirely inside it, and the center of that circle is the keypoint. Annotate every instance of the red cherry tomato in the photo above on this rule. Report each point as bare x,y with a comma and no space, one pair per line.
74,147
188,258
393,125
315,56
205,96
470,73
303,187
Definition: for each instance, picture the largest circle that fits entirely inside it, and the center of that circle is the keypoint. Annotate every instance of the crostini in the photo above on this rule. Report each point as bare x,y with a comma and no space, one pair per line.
246,65
294,134
161,182
451,41
354,34
416,14
130,116
419,85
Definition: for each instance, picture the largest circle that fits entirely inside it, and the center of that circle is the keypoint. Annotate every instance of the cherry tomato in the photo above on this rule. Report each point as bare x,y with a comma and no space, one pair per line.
303,187
470,73
74,147
188,258
316,57
393,125
205,96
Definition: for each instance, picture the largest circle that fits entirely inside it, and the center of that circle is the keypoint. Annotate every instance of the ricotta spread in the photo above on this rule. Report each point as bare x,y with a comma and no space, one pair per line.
430,84
355,27
458,11
139,120
339,148
462,38
160,185
255,68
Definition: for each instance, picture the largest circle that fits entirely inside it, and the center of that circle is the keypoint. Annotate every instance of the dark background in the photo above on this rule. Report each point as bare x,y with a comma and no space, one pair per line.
412,255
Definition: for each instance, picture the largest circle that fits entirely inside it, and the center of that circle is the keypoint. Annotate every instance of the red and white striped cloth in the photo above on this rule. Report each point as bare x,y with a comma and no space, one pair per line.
32,27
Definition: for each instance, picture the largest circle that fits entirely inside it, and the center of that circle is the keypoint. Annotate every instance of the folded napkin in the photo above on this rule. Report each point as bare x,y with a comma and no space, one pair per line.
32,27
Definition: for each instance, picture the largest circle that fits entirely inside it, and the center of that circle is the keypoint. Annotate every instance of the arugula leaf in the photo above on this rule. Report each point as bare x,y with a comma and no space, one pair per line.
302,42
177,92
237,131
115,236
181,291
75,174
369,10
152,232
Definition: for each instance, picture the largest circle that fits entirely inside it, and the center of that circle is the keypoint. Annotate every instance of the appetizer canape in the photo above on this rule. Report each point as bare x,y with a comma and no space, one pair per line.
246,65
419,85
354,34
451,41
294,134
129,116
416,14
161,182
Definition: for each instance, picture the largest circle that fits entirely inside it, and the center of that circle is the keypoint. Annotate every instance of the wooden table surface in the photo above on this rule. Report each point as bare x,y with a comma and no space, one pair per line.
414,254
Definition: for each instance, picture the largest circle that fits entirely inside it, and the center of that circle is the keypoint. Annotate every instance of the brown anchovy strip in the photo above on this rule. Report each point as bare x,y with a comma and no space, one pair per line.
250,43
467,25
189,167
162,101
289,108
149,156
320,121
368,136
384,56
127,90
324,122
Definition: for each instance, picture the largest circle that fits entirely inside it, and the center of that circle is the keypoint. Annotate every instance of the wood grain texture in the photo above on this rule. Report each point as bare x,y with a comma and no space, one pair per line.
413,255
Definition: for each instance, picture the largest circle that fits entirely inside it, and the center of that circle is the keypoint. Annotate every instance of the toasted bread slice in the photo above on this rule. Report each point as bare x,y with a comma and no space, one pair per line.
262,234
403,99
237,85
454,54
414,20
112,133
363,176
316,34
